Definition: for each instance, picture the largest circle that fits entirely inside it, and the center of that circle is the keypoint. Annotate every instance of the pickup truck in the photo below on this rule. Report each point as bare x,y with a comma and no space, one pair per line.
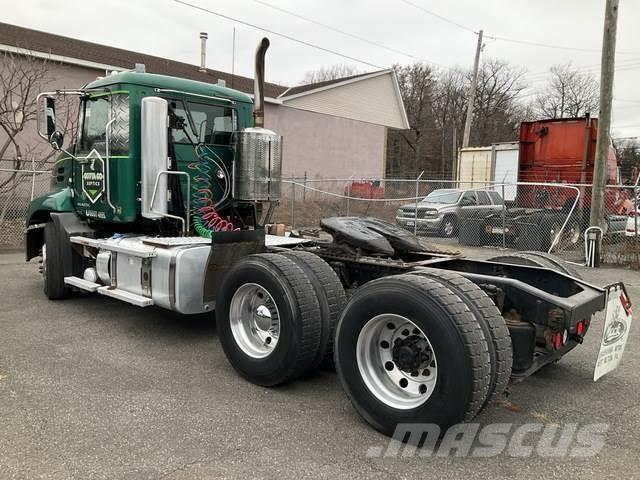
442,210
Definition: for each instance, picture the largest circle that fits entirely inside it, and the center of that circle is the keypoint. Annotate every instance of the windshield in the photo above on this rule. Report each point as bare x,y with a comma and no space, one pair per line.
97,112
442,196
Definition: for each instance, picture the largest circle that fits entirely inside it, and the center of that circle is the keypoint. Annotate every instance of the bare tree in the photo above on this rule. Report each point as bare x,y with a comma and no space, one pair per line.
20,82
418,85
435,101
330,73
569,93
22,77
449,108
498,110
628,154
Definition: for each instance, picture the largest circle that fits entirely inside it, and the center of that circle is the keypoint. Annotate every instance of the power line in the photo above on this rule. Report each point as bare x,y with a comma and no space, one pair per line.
437,15
549,45
507,39
288,37
620,67
342,32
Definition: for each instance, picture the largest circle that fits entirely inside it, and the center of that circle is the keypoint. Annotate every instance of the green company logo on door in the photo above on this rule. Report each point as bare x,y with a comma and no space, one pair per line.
93,176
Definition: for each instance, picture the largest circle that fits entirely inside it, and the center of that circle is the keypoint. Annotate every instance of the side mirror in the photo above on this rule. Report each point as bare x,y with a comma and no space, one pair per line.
466,202
56,139
50,112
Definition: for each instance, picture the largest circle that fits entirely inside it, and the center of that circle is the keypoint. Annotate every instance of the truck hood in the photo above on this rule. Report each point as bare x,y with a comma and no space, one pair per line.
425,206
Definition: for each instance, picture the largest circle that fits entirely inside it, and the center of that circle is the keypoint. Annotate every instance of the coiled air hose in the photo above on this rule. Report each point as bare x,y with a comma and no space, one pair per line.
206,218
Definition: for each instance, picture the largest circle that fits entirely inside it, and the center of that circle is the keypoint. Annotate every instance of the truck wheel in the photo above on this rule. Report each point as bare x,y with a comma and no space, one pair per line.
52,264
538,259
268,319
491,321
408,350
331,297
573,234
449,226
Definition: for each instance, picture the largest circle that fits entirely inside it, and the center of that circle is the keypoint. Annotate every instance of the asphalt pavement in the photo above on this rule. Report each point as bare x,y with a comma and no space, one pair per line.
94,388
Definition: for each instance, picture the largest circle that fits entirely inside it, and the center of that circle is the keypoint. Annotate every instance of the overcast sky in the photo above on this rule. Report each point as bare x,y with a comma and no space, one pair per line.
169,29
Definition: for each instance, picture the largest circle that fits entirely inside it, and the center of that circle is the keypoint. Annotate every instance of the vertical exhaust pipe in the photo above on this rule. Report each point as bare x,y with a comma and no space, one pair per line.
203,51
258,84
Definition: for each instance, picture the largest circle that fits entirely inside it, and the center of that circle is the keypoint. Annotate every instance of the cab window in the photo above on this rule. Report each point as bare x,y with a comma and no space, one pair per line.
468,199
211,124
97,112
483,198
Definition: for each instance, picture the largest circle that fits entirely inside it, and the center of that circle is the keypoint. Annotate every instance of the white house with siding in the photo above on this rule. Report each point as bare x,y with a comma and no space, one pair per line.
332,129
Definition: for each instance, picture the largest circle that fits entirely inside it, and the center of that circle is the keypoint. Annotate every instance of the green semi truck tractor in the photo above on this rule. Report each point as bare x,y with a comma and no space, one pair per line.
162,201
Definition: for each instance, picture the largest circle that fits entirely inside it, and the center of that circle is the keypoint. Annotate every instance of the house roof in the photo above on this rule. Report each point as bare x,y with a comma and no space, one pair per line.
105,56
353,94
369,97
313,86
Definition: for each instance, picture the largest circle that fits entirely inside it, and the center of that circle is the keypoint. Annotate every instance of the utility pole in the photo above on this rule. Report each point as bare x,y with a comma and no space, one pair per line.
454,160
472,94
604,120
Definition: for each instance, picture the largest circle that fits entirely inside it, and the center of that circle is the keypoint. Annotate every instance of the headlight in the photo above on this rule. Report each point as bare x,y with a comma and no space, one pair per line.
431,213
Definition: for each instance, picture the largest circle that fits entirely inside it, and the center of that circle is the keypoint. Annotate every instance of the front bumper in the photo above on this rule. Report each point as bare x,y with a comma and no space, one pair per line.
422,224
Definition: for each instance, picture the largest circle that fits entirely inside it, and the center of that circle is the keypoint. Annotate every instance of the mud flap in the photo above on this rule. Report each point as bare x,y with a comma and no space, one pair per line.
226,249
617,322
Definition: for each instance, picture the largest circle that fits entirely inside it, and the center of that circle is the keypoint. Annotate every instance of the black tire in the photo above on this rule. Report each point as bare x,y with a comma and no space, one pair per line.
299,315
462,380
538,259
449,227
53,264
492,323
331,297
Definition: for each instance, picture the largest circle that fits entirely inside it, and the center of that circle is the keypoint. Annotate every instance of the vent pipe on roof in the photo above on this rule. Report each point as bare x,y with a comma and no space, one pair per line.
203,51
258,84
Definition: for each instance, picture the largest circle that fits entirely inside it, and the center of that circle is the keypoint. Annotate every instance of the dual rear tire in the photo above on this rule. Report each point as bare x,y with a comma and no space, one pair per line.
427,347
276,315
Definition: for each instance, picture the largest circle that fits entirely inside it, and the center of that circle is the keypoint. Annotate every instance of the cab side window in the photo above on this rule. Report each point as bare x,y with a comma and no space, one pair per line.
468,199
483,197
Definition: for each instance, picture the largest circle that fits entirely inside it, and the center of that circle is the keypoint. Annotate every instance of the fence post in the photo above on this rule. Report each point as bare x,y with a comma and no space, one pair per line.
635,210
293,202
504,232
304,190
348,197
415,216
33,177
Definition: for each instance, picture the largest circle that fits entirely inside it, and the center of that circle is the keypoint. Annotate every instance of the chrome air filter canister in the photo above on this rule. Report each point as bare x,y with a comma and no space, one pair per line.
258,165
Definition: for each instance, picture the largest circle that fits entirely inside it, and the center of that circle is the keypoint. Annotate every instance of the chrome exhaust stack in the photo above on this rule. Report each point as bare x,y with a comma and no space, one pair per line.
257,168
258,84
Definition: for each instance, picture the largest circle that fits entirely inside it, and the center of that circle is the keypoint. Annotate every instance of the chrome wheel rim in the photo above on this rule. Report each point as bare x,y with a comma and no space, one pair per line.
254,320
574,234
44,262
448,228
396,361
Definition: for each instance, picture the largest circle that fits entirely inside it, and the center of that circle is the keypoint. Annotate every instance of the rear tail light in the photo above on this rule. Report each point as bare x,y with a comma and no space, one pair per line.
557,340
560,339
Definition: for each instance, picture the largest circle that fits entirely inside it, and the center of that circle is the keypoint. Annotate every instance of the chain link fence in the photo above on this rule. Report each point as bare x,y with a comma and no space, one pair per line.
521,216
548,217
17,188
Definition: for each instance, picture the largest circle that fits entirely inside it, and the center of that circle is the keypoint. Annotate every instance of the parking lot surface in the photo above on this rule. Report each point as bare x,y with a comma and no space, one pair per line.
94,388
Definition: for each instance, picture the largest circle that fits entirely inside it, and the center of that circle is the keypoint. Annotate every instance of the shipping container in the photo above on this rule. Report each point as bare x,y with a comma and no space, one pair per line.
505,168
474,167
